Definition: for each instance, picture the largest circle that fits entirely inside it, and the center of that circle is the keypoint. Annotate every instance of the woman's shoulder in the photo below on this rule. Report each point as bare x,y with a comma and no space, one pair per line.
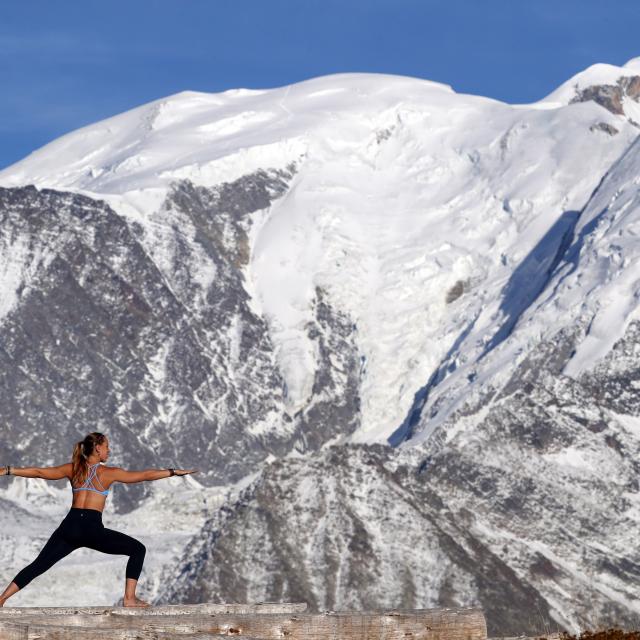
106,470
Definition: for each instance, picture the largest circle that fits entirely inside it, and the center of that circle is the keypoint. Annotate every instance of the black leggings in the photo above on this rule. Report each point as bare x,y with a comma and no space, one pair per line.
84,528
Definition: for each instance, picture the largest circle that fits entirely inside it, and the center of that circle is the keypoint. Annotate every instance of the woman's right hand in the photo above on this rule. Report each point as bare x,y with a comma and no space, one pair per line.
184,472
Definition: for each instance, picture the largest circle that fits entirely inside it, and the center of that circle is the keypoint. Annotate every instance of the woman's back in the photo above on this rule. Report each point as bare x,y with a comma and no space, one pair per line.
91,494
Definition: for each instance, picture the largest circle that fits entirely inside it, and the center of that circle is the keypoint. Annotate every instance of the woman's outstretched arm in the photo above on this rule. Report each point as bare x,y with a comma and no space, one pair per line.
48,473
116,474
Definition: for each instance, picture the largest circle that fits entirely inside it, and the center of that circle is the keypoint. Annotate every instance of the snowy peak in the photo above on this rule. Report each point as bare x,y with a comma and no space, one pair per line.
617,89
210,138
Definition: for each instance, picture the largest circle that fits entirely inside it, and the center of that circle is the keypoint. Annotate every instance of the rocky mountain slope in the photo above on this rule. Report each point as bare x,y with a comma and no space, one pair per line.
401,319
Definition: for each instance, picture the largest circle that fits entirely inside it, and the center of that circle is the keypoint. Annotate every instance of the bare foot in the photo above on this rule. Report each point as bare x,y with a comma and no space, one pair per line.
136,602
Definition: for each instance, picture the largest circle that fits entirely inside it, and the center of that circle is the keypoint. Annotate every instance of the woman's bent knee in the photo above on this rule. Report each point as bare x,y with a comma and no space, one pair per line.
138,552
136,559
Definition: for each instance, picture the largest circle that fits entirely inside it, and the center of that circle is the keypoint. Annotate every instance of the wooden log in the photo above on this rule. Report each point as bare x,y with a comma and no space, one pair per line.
419,624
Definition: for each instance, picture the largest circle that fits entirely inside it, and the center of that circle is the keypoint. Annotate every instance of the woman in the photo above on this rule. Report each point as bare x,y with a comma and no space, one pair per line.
82,526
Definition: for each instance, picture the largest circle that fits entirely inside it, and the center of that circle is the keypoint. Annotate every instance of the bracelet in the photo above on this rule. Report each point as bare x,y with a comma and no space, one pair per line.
8,470
173,472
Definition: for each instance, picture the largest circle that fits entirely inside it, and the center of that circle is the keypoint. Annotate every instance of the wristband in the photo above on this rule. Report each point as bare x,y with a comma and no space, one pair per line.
8,469
173,472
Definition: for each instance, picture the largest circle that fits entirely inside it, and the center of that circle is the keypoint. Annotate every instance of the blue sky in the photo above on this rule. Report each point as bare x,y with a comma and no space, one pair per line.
68,63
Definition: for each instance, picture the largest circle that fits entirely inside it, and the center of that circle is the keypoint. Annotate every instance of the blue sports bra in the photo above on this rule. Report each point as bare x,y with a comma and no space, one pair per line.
86,486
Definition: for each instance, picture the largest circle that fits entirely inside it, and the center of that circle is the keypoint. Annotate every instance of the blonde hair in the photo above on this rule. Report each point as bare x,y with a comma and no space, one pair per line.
81,451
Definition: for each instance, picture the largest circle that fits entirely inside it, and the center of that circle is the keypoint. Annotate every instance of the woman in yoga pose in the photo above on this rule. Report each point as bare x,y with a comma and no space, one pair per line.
82,526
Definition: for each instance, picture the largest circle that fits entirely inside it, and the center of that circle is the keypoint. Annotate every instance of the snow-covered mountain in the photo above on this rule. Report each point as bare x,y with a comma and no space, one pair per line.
371,265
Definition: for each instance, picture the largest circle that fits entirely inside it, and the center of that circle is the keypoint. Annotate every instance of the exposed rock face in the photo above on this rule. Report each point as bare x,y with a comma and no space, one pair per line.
456,291
603,126
611,96
152,340
615,380
336,387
